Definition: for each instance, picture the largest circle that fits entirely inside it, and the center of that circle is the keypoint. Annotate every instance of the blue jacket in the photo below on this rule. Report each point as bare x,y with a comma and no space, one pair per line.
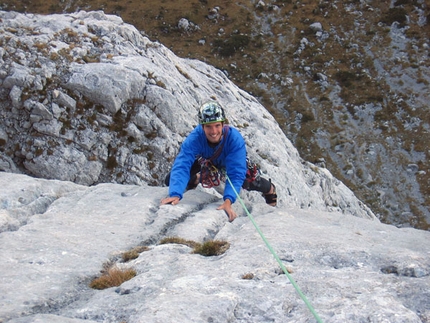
232,159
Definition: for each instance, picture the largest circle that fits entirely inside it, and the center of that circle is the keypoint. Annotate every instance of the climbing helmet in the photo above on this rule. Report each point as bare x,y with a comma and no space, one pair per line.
211,111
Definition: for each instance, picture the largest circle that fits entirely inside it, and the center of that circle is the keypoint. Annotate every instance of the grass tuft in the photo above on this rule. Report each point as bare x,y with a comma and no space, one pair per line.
208,248
133,253
112,277
177,240
248,276
212,248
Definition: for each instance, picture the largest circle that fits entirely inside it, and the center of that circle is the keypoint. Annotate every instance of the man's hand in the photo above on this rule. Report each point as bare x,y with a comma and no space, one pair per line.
170,200
226,206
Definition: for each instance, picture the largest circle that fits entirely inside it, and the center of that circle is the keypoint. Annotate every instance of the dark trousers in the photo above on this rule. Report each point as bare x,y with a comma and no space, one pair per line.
260,184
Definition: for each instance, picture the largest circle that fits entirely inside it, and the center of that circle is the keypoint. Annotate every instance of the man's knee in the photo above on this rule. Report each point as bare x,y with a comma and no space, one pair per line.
260,184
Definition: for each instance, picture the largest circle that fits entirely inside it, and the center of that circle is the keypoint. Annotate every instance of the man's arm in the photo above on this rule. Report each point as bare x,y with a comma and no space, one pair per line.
235,163
180,173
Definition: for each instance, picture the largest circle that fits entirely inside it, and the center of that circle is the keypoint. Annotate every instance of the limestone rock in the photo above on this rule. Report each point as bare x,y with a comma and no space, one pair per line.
349,269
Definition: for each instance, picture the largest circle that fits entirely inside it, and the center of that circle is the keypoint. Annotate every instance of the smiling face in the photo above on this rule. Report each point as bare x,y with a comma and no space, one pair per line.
213,132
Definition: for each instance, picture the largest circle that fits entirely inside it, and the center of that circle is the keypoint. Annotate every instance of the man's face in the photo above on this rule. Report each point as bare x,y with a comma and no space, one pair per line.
213,132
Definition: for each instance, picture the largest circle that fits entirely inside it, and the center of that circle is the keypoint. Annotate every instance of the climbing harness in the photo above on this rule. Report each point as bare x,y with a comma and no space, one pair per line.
211,176
303,297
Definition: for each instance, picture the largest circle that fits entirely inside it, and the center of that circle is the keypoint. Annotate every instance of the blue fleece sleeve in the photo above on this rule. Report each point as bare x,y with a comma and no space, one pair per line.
235,163
180,174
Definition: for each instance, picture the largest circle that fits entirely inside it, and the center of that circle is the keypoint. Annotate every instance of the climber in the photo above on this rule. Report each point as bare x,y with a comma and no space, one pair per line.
210,151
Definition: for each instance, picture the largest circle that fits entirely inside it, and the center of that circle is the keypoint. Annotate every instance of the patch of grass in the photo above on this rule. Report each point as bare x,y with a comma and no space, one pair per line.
160,84
248,276
111,162
231,45
38,152
118,123
91,59
208,248
403,2
395,15
184,74
42,47
111,277
177,240
133,253
212,248
307,117
346,78
65,53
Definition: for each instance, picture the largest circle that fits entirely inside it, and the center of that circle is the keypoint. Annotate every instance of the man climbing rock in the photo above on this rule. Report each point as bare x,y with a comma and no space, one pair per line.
211,151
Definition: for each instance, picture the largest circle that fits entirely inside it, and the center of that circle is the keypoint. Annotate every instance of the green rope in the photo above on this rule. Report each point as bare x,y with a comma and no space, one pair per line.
308,304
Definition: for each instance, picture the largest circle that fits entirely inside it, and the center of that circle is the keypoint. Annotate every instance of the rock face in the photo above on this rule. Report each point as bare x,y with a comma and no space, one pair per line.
349,269
88,99
98,112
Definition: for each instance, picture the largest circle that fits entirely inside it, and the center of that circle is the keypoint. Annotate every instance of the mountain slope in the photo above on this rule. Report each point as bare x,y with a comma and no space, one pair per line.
346,80
86,98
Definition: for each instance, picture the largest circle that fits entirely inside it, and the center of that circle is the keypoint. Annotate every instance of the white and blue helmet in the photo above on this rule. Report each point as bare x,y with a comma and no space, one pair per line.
210,112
